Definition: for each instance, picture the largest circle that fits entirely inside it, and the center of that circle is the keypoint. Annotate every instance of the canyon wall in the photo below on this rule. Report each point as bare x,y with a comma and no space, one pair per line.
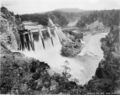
107,76
9,26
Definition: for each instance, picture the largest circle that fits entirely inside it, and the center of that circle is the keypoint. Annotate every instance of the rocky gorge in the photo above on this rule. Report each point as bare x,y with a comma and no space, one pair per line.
20,74
107,77
24,75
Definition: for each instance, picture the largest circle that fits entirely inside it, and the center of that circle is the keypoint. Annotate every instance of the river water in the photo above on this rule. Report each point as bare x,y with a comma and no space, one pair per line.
82,67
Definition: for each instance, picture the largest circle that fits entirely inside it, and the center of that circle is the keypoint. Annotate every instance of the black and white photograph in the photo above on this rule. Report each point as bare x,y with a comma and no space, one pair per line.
59,47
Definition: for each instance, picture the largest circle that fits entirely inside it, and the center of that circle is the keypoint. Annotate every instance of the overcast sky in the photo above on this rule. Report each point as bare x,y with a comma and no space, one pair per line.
33,6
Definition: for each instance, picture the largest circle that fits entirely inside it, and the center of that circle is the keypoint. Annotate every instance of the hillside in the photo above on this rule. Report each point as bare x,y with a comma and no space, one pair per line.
107,17
107,77
61,17
9,36
64,17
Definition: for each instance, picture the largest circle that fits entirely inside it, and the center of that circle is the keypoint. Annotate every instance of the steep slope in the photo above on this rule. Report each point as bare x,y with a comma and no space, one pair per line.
9,36
107,77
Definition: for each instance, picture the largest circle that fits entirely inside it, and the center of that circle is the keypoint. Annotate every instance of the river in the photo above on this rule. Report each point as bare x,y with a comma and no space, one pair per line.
82,67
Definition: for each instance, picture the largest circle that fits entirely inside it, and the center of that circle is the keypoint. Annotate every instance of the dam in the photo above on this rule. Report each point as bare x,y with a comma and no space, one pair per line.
47,47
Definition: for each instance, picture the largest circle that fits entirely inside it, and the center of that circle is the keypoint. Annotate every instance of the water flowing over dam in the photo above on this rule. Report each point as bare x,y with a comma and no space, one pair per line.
46,46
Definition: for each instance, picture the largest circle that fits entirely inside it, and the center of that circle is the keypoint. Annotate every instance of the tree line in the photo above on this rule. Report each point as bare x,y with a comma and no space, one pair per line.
43,18
107,17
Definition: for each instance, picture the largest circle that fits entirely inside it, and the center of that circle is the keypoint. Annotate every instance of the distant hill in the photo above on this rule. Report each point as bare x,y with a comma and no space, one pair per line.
73,14
70,10
60,16
75,17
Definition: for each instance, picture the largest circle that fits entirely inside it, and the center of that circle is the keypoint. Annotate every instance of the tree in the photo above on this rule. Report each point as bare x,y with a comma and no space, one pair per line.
58,18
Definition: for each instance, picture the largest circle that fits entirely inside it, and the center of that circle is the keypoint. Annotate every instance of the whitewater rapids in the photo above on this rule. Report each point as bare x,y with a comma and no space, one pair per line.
82,67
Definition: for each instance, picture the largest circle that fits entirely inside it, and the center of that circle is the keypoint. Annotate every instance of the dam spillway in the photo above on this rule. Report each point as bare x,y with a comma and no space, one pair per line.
82,67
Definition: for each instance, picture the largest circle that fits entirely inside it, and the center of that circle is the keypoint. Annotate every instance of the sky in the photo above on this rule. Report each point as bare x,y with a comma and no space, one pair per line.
38,6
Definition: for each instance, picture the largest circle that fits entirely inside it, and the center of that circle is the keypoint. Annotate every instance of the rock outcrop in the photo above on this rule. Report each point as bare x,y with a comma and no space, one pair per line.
9,25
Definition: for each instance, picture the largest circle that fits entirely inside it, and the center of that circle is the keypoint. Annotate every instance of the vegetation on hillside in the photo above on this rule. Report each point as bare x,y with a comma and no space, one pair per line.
72,47
20,75
9,26
58,18
107,76
44,18
40,18
107,17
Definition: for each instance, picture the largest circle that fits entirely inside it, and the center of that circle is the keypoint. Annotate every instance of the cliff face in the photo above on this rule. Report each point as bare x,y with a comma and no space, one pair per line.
111,44
117,42
9,26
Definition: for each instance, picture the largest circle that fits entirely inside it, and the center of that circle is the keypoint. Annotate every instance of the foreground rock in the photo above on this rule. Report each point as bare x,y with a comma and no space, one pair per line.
27,76
9,25
15,70
73,47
